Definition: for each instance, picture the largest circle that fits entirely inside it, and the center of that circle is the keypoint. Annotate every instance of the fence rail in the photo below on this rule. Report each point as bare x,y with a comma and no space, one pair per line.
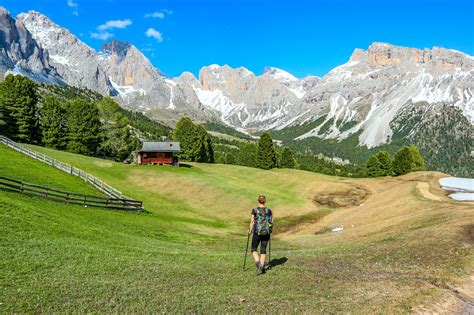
91,179
10,184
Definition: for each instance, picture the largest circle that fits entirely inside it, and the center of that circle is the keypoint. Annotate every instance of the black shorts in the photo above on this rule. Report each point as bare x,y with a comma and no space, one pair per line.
256,239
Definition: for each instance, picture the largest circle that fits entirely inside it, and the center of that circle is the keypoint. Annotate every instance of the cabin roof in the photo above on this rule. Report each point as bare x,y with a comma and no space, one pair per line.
154,146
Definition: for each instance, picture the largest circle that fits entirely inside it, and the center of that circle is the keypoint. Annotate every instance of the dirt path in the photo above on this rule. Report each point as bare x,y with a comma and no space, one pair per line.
424,189
459,300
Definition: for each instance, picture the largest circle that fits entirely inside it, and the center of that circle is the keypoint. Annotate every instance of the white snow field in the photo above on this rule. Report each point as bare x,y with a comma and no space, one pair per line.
463,188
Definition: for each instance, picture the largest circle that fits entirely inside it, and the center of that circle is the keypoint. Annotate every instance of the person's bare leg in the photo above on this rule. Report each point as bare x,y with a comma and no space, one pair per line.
262,259
255,256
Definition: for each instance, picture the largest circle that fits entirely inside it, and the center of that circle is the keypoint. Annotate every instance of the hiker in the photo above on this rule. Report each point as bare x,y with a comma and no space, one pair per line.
261,223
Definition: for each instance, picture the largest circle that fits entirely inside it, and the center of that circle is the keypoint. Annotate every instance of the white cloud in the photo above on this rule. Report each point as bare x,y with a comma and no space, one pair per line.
102,35
157,14
151,32
74,6
115,24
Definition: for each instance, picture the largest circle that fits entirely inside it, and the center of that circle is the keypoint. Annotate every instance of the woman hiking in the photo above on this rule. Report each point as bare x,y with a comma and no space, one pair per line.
261,223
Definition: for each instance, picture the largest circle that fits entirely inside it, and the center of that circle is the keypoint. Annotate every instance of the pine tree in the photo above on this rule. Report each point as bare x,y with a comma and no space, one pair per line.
287,158
247,155
83,127
18,100
210,149
408,159
202,150
386,163
403,161
186,133
117,142
7,124
53,123
230,158
418,164
374,167
266,156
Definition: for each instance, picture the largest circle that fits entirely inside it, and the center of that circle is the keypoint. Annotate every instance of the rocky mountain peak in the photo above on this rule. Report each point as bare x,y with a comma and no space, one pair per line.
186,78
75,62
20,53
45,31
116,47
4,11
279,74
381,55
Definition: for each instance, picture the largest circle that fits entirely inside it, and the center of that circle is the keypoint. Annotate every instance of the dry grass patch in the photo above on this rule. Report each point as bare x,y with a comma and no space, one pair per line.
342,197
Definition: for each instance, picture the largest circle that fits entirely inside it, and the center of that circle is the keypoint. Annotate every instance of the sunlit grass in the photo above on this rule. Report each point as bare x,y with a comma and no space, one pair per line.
185,253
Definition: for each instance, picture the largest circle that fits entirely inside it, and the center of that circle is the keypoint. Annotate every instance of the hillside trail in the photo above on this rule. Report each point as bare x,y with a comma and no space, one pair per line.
424,189
458,300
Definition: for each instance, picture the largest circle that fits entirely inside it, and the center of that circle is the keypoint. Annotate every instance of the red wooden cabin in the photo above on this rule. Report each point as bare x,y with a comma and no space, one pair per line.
159,153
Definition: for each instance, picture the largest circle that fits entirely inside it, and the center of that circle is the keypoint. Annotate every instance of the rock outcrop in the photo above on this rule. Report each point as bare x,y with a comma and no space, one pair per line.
20,53
375,86
75,62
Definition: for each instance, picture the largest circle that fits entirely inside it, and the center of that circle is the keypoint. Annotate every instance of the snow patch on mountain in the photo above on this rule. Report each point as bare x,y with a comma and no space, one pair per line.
171,84
215,100
342,72
298,91
61,60
126,91
279,74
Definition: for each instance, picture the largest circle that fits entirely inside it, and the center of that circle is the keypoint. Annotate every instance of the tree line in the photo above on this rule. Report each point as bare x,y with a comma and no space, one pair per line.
407,159
265,154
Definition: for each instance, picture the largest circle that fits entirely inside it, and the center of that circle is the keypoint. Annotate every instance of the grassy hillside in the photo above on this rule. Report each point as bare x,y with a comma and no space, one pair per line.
398,250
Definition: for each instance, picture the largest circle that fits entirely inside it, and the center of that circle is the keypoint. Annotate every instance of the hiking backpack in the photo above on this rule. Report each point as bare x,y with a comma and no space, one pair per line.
264,220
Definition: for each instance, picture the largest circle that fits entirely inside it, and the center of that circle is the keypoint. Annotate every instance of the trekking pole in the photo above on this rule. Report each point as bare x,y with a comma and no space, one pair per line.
246,250
270,254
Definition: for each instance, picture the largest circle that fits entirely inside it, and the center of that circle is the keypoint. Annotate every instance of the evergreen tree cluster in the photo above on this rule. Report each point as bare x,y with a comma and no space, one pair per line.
196,143
89,126
407,159
264,155
19,116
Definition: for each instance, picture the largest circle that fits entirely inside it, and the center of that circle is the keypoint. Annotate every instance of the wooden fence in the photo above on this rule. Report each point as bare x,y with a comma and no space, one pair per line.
91,179
69,197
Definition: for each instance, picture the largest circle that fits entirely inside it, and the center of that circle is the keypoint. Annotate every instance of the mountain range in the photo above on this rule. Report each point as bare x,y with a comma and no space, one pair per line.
383,95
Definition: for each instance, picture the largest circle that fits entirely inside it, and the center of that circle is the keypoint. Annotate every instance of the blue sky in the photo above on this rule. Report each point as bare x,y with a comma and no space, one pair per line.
302,37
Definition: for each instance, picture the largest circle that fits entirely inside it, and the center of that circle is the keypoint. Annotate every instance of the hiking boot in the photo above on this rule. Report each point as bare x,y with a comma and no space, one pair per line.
259,268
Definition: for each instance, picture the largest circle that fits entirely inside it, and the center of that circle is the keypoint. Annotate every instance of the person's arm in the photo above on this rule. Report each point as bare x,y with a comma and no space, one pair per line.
252,222
271,222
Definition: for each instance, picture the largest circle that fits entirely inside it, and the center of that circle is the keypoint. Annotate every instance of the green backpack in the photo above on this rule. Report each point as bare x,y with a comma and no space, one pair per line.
264,221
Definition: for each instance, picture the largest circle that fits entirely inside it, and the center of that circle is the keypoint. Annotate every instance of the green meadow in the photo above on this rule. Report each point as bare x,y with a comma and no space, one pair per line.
399,251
